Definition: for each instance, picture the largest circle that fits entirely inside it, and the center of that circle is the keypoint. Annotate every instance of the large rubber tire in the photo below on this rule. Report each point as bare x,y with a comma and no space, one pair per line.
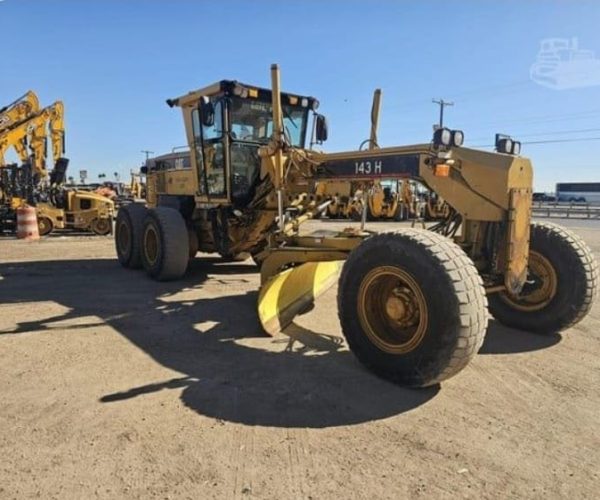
101,227
165,244
455,306
128,235
575,284
45,226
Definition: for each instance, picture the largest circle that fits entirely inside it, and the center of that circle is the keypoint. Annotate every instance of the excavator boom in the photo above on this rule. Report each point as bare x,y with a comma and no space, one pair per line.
28,137
25,106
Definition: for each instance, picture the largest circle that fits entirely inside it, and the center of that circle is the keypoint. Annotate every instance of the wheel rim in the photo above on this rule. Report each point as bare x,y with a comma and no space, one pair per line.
123,237
151,245
392,310
101,226
541,270
44,226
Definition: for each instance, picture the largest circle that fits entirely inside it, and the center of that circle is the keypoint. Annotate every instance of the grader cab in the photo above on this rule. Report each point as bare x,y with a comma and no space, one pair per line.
413,304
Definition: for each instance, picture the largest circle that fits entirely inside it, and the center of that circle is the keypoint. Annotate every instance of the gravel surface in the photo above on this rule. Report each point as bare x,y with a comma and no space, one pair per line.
115,386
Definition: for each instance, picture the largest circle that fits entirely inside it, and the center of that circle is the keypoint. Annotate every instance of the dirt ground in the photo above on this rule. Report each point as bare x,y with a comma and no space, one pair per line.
114,386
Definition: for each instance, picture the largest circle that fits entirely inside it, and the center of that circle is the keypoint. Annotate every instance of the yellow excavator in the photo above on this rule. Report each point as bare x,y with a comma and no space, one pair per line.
413,304
28,137
26,128
25,106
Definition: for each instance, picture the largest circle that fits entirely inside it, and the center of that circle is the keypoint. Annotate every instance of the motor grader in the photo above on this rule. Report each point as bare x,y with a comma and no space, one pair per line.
413,304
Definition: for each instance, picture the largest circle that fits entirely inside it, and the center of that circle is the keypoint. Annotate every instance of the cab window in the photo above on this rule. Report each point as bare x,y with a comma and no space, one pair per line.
212,158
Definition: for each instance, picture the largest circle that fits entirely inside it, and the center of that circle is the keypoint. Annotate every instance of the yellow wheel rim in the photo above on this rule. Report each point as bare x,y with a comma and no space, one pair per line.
151,245
541,268
392,310
44,226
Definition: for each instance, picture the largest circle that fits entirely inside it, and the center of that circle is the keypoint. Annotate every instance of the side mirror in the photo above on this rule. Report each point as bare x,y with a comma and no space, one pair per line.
207,112
321,128
144,170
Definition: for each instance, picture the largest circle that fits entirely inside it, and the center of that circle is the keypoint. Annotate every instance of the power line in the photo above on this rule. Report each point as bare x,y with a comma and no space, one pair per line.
549,141
545,118
553,132
419,102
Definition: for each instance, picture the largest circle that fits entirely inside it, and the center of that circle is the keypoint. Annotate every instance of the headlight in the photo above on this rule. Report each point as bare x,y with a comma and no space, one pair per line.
304,102
458,137
240,91
505,144
442,137
315,105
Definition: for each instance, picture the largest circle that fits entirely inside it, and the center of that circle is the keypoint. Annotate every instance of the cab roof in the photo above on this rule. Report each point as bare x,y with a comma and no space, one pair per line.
235,88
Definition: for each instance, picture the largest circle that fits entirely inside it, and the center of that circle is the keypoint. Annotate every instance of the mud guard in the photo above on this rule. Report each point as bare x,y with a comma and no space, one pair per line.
291,292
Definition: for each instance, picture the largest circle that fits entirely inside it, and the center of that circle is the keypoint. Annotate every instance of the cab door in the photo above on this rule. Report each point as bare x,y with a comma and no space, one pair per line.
210,150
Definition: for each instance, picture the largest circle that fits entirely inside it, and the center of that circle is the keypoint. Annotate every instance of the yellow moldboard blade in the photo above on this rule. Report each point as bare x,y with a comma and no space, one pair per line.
290,292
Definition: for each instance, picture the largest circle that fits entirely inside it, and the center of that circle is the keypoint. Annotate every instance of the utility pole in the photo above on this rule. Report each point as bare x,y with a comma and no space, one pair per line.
442,104
147,153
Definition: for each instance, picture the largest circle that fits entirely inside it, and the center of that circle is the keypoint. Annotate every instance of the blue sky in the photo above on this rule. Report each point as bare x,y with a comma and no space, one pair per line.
114,63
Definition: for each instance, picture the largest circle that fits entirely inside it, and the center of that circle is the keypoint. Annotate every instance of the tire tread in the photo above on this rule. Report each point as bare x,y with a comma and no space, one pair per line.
467,286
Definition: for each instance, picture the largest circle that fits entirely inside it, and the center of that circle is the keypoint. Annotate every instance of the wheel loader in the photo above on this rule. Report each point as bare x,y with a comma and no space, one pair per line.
76,210
413,304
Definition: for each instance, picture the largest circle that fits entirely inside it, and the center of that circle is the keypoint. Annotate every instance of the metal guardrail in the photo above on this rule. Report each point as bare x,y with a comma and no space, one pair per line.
566,210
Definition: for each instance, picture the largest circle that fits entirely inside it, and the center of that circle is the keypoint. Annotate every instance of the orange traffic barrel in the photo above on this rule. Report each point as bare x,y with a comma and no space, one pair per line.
27,226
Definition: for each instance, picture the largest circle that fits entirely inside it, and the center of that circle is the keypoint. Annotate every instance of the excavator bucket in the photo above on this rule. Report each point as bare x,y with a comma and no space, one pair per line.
292,292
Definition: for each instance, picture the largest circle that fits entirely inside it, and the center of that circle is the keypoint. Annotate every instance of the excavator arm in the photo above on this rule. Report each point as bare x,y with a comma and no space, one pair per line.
50,123
19,110
32,132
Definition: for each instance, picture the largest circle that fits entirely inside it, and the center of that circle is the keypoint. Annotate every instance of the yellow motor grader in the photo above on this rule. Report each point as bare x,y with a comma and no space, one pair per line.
413,304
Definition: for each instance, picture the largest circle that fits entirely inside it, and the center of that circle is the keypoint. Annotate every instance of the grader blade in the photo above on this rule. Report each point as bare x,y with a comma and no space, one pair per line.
289,293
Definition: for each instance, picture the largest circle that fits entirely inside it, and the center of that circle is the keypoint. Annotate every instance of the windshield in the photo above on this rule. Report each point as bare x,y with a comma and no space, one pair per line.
252,121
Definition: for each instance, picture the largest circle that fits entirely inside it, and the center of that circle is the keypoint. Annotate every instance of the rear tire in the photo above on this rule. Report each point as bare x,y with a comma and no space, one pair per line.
412,307
565,281
128,235
165,244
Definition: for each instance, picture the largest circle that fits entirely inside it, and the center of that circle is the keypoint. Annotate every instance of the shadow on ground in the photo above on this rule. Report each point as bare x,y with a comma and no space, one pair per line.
500,339
230,370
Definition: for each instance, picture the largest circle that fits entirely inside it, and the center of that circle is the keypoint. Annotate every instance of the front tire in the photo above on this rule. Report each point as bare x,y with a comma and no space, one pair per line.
412,307
165,244
562,283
